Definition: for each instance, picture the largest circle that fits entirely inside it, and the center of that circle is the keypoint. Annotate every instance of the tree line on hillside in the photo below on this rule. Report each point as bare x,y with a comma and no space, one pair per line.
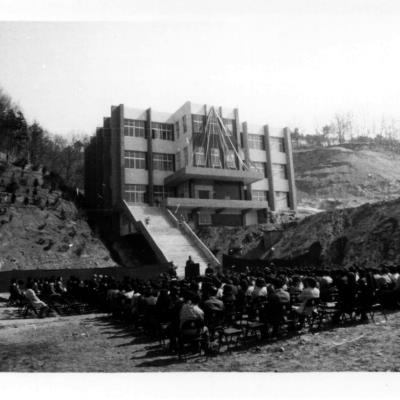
344,129
22,143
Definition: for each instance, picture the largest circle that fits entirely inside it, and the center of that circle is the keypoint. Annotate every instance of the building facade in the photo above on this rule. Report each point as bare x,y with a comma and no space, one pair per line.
201,162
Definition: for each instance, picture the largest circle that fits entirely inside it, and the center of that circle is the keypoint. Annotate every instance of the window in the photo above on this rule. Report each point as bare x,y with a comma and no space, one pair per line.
229,125
136,128
279,171
136,193
177,160
261,167
177,129
204,219
162,131
256,142
135,159
198,123
230,159
259,195
199,158
282,200
185,157
161,192
204,194
163,162
215,158
277,145
184,124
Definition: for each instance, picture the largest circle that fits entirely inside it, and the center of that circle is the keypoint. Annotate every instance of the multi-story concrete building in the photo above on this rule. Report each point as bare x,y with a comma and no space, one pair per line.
201,162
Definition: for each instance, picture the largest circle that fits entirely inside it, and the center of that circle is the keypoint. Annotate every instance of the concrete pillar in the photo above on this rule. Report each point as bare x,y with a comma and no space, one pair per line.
290,169
107,162
246,155
241,191
271,190
191,189
189,138
237,135
117,163
150,192
122,150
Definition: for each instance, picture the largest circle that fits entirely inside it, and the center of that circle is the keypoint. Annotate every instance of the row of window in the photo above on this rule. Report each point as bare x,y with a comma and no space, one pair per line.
281,198
139,193
279,171
163,131
215,158
258,142
260,167
138,160
137,128
165,162
199,123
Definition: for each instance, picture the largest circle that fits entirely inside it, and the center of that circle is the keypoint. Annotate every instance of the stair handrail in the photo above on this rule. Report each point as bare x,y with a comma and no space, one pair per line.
183,225
172,217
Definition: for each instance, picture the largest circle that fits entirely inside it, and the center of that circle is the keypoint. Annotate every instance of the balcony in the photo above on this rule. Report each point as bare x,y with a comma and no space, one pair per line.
218,205
216,174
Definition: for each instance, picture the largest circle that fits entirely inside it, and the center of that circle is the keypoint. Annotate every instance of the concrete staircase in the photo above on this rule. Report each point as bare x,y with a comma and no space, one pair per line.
171,242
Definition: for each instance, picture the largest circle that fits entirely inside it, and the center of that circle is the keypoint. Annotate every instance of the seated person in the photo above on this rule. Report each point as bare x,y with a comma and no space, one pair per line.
274,312
34,300
163,306
212,303
60,287
191,311
209,271
296,286
258,290
310,291
16,294
229,300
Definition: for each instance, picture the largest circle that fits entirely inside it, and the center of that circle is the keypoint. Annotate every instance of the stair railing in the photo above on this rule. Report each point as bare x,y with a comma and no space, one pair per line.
183,226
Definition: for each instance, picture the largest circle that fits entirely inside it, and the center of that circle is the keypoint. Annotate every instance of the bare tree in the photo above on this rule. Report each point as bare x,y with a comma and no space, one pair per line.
343,125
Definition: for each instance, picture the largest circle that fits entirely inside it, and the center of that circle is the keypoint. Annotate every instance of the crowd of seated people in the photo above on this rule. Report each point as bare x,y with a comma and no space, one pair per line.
268,295
44,295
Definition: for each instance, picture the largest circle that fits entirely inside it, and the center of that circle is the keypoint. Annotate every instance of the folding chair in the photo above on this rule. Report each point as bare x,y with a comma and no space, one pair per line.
190,333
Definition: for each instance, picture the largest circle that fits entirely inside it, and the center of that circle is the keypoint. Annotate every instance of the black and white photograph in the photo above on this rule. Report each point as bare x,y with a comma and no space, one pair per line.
200,187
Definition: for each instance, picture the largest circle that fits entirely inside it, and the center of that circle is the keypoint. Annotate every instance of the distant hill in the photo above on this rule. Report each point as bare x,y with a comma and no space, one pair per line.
345,176
41,229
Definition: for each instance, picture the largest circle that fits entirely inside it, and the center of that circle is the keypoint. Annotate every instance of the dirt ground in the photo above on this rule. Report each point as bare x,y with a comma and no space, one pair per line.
95,343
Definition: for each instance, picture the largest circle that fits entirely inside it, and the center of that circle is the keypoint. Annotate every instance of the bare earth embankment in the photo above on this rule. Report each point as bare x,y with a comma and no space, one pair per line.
45,232
345,176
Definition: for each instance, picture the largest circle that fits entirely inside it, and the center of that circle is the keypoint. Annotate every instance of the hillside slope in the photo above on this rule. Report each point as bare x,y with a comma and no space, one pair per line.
43,231
367,235
336,177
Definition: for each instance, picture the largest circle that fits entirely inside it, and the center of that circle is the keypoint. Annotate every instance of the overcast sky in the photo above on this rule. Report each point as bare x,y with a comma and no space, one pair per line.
286,63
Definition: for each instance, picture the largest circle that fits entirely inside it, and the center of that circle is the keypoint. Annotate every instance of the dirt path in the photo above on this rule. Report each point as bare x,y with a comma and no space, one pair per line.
97,344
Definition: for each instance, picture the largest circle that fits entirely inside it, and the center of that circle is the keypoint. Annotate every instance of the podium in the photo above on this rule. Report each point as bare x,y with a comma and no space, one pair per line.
192,271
